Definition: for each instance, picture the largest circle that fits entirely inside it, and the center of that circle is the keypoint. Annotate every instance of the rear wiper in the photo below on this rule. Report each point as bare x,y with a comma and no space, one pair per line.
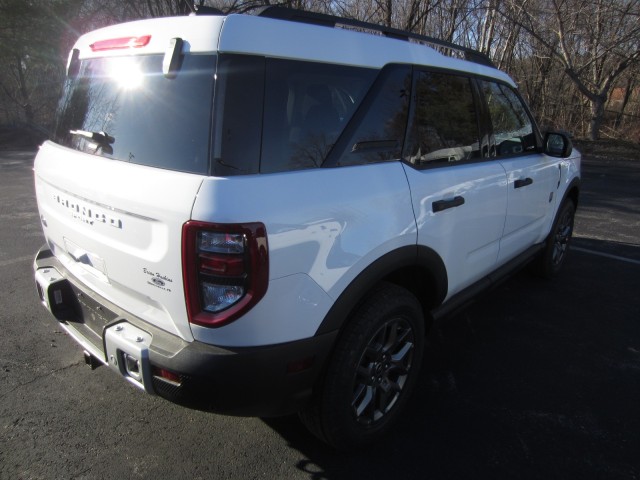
103,139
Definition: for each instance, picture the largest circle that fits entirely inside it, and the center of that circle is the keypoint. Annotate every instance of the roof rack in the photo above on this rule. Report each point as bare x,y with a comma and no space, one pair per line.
444,47
201,10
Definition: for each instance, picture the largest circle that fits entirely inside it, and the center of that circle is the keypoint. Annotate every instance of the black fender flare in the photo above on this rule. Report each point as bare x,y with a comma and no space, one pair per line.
574,185
431,280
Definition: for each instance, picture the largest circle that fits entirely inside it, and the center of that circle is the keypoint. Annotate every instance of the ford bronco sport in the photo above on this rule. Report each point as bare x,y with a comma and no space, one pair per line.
262,214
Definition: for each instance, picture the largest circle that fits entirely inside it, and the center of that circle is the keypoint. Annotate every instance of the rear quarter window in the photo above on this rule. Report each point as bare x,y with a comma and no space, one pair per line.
306,108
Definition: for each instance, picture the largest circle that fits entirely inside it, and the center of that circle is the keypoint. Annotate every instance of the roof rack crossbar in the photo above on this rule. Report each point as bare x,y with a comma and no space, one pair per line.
314,18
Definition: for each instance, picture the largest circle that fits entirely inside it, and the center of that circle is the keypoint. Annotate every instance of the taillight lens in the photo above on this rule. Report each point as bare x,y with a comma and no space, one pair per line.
225,268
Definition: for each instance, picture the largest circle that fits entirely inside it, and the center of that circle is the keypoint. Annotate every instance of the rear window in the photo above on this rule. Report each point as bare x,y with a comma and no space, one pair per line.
125,108
444,127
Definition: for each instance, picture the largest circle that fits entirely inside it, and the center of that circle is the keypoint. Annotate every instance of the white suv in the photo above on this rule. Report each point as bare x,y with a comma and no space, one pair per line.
262,214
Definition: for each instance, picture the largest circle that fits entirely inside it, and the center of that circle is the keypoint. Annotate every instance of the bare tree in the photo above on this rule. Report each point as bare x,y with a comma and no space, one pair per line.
31,57
595,42
573,59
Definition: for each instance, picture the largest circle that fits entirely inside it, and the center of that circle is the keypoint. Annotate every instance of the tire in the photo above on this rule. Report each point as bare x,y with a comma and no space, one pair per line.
372,372
557,244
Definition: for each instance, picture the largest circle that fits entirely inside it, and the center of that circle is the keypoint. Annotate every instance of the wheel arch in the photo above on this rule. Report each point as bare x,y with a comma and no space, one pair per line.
572,192
417,268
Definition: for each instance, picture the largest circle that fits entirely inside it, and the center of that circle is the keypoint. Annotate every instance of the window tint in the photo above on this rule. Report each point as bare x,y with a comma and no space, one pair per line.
444,127
512,128
306,107
135,114
378,129
239,99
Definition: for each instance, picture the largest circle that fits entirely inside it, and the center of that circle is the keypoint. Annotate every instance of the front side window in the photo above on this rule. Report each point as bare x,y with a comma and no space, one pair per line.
124,108
444,127
513,131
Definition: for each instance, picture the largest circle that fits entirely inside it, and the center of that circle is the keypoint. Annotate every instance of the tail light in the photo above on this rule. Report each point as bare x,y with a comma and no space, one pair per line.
120,43
225,268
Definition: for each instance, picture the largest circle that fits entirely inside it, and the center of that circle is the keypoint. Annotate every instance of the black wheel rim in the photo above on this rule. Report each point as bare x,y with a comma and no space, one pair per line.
562,237
383,371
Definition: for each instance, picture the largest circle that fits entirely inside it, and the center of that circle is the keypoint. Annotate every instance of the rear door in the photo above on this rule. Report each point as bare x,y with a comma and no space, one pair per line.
459,197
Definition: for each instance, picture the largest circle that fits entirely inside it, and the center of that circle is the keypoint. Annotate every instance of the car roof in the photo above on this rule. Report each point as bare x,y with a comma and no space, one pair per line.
277,38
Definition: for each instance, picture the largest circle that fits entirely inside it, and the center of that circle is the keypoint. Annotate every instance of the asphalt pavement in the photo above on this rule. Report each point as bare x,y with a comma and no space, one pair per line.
537,379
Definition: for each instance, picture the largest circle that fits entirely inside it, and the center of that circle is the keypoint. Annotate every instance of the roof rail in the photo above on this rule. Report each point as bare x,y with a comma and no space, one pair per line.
444,47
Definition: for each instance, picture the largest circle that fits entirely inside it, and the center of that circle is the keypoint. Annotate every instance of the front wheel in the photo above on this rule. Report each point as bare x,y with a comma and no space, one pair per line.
556,248
372,372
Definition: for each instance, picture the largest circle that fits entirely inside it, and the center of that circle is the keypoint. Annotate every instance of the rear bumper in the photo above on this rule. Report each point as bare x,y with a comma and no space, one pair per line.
257,381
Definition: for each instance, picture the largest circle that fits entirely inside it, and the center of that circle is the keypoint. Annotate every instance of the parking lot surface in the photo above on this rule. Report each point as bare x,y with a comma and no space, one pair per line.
537,379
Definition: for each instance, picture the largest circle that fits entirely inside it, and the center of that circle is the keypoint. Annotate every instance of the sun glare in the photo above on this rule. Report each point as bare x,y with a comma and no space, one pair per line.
126,72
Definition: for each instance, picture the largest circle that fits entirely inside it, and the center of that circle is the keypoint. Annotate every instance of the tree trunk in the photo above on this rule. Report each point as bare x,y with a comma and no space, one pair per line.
25,101
625,101
389,13
597,115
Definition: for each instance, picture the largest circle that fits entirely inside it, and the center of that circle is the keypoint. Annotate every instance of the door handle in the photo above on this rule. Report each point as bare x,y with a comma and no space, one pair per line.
522,182
441,205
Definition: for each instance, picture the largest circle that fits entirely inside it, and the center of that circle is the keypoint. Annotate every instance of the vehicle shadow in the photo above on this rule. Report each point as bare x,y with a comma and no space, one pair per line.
534,380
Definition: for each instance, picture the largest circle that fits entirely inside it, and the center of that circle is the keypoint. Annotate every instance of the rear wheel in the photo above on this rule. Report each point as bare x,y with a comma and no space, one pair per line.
372,372
557,246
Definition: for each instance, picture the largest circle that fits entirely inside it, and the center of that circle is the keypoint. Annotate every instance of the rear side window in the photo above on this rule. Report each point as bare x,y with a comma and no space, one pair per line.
239,102
513,130
306,107
125,108
444,125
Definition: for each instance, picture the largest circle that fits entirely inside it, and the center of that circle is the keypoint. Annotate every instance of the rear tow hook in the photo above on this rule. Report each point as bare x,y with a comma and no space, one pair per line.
92,361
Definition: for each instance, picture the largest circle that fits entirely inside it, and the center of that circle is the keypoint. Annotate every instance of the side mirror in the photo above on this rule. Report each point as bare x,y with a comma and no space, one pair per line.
557,144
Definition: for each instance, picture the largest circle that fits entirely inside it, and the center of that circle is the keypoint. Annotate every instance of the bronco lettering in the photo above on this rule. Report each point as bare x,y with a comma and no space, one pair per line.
87,214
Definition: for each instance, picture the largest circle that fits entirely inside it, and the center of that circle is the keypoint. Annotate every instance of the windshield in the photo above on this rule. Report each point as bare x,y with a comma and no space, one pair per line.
125,108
